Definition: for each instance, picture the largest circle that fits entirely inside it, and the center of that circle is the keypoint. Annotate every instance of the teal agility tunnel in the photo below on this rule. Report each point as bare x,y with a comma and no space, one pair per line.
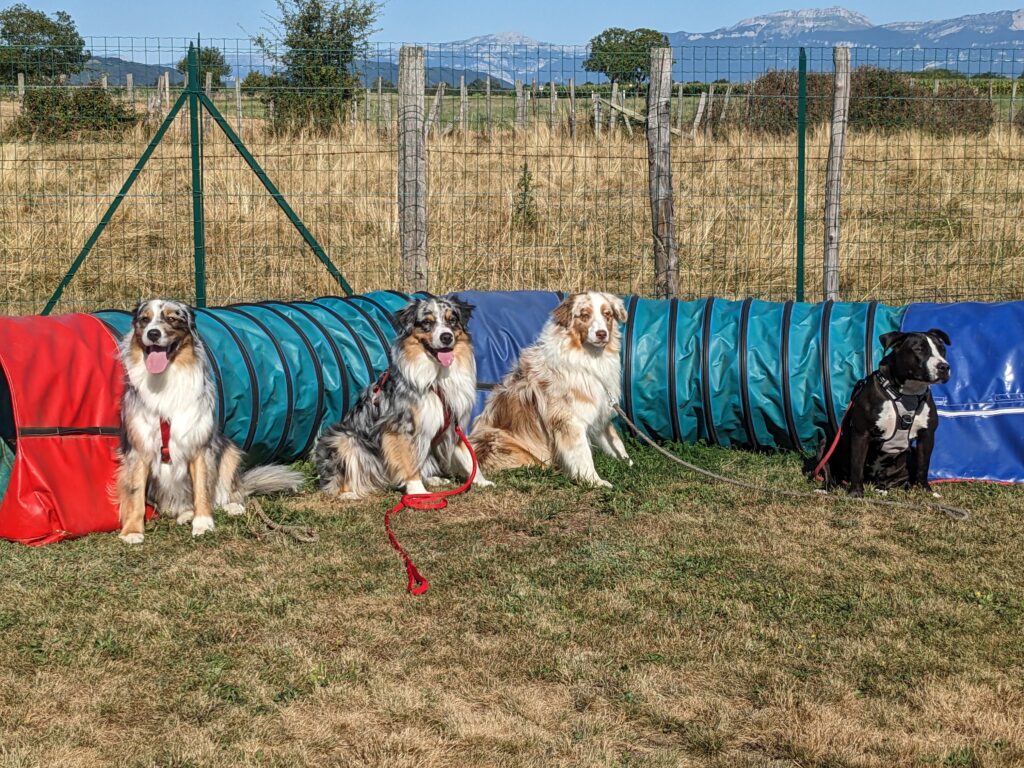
753,374
283,370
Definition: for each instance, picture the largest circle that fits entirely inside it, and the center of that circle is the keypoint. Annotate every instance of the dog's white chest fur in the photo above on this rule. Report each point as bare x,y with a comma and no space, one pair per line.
895,440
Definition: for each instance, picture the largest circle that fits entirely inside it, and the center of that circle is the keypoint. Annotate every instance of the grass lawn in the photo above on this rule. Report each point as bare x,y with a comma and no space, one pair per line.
665,623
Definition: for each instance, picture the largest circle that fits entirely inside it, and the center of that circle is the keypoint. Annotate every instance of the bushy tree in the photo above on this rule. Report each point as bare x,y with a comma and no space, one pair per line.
211,60
319,44
624,55
41,46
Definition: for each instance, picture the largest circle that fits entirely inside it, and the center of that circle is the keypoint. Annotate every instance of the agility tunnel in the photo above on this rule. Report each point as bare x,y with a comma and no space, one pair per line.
752,374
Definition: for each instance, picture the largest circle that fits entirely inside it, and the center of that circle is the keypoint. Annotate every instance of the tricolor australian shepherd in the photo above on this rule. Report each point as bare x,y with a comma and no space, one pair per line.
172,454
401,431
556,402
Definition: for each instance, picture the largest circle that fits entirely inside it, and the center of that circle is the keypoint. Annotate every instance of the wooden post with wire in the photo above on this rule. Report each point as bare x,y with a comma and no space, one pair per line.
659,164
834,172
412,167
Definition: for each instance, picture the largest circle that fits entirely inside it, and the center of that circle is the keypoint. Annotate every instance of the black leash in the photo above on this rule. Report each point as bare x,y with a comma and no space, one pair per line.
953,513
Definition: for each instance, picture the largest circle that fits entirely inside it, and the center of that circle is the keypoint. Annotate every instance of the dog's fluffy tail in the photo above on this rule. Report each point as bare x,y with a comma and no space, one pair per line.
272,478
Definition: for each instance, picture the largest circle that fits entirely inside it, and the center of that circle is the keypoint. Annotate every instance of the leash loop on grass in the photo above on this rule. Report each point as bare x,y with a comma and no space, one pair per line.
301,533
418,583
953,513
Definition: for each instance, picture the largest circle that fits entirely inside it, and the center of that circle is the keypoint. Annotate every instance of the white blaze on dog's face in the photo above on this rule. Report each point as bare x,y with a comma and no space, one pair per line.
918,356
592,319
162,331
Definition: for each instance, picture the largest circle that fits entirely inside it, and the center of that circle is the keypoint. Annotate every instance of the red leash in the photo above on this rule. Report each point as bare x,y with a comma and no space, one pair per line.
436,500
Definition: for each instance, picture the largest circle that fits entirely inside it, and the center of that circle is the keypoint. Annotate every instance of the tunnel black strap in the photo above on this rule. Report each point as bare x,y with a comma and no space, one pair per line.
627,363
254,382
673,404
338,358
787,400
314,359
869,339
380,308
66,431
367,363
748,420
384,343
289,392
705,371
826,364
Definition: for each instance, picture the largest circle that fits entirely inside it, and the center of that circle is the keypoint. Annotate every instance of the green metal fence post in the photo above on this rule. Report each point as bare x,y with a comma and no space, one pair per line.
114,205
195,139
274,192
801,171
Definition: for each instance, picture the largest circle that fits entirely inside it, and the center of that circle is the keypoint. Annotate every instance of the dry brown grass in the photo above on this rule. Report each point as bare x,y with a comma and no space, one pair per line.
664,623
923,217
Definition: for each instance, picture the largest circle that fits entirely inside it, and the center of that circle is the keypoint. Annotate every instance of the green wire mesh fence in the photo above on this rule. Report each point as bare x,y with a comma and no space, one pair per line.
536,170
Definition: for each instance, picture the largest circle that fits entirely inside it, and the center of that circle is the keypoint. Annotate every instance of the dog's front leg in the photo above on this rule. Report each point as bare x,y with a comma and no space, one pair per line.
132,476
923,458
400,460
461,464
612,445
199,471
859,443
572,451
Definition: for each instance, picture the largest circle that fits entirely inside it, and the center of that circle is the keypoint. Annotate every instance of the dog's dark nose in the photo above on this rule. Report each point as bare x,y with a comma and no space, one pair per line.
154,335
943,369
601,335
447,339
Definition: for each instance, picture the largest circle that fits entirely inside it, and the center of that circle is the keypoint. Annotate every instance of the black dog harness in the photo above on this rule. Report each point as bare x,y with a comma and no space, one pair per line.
907,406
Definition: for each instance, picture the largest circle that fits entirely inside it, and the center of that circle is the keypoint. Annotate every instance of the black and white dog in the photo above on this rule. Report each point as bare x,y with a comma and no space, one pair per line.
401,431
172,454
890,410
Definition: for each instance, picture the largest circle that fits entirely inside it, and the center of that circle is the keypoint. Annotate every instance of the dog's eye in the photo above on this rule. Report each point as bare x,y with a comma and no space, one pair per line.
426,325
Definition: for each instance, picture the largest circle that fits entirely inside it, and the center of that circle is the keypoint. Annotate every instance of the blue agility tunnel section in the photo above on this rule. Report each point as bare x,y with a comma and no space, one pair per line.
283,370
981,408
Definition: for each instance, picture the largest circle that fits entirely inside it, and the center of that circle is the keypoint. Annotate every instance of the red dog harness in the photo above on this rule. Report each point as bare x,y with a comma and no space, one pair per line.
165,441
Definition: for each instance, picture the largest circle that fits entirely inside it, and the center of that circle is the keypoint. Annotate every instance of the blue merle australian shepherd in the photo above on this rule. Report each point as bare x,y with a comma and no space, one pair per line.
401,431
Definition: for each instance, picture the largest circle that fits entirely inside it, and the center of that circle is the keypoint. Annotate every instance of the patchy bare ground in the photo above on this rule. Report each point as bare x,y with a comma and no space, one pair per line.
665,623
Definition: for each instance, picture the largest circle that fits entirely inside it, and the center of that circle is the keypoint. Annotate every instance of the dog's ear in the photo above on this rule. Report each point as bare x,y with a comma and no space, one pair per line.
190,319
618,308
941,335
562,314
465,309
891,339
138,308
406,316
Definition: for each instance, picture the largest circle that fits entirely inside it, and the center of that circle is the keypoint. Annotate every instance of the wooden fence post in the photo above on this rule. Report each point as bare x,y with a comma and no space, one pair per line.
487,106
21,86
552,105
412,167
659,166
129,81
697,117
435,109
681,103
614,100
595,104
385,107
167,90
520,106
1013,99
572,108
710,110
463,106
103,82
238,102
535,99
725,105
834,173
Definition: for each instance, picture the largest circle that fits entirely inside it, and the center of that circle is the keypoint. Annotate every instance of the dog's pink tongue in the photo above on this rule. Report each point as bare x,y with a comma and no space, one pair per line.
445,358
156,362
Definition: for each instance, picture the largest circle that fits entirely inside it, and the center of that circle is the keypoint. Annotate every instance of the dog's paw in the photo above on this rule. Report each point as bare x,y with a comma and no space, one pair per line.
201,525
597,482
347,496
936,495
414,488
856,493
629,462
131,538
184,517
436,481
881,492
482,482
234,508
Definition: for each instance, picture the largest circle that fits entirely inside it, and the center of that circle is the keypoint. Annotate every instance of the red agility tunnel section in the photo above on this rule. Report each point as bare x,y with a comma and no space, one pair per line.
63,391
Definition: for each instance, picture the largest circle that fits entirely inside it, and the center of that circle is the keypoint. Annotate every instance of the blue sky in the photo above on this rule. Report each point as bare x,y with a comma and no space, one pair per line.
556,21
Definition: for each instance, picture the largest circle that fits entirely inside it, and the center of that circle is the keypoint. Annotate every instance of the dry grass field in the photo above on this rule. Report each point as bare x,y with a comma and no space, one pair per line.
923,217
663,623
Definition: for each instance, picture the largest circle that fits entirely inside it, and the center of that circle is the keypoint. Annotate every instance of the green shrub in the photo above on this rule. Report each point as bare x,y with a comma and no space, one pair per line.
884,99
55,113
773,102
958,108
